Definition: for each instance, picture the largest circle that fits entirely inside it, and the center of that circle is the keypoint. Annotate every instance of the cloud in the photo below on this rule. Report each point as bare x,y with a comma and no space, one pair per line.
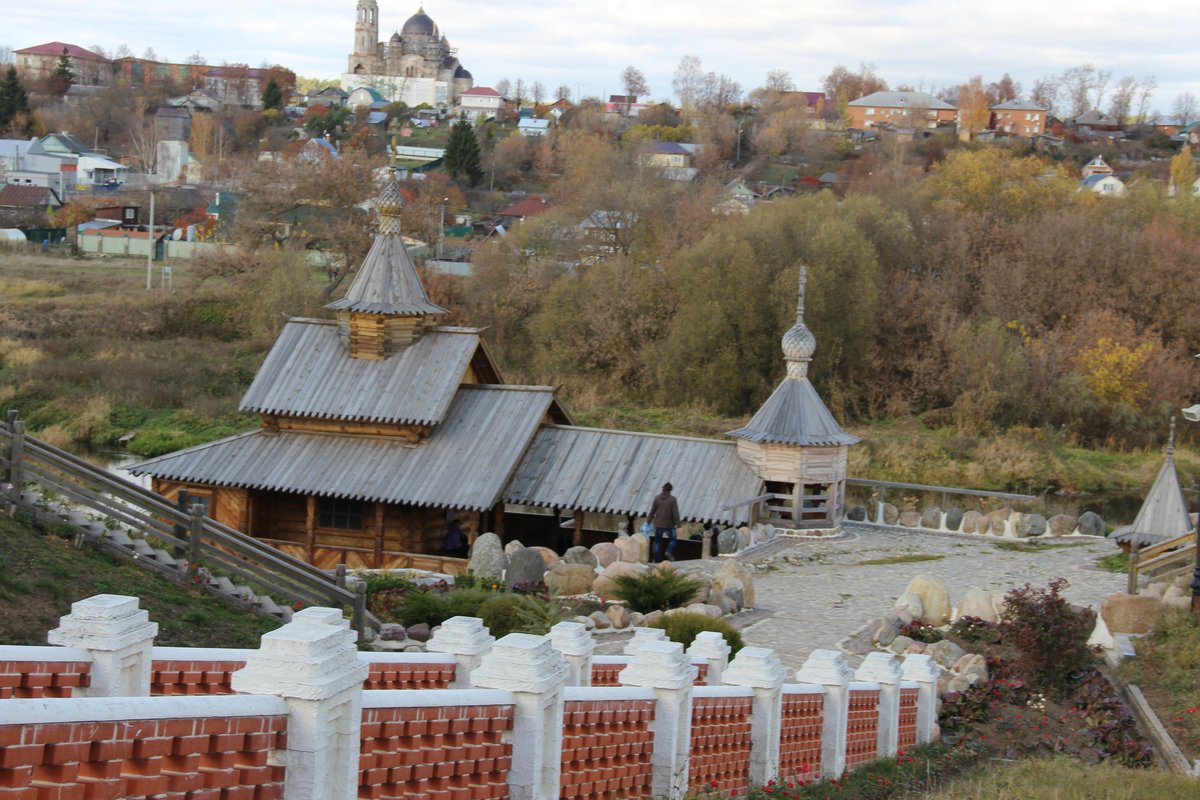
577,42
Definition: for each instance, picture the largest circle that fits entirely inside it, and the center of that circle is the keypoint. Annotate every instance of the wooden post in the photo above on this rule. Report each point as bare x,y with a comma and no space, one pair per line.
577,537
180,531
360,607
310,527
196,530
16,455
378,536
1134,548
497,522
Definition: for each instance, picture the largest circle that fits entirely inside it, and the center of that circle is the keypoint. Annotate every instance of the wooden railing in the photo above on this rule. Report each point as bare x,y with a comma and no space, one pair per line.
1173,554
188,534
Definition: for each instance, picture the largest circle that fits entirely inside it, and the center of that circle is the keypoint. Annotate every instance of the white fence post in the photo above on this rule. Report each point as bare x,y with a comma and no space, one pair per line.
467,640
829,669
576,645
712,647
118,636
925,671
663,667
641,637
312,663
535,673
884,669
760,669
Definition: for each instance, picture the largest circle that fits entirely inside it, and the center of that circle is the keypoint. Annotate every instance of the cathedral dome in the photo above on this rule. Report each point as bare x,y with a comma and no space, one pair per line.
419,24
461,73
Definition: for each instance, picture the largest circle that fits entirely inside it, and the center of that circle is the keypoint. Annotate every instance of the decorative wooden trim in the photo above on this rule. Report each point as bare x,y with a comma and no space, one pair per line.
379,535
310,526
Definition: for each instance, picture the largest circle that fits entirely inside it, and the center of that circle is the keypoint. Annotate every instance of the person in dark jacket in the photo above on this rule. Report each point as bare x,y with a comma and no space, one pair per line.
664,516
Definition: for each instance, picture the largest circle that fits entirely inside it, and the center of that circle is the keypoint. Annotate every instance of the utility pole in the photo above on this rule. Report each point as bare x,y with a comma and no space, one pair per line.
442,228
150,251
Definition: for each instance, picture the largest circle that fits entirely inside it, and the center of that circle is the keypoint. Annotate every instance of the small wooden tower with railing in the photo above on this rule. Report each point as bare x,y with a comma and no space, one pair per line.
794,444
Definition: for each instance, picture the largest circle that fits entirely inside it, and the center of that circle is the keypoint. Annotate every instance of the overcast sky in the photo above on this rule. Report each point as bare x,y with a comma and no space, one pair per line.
585,44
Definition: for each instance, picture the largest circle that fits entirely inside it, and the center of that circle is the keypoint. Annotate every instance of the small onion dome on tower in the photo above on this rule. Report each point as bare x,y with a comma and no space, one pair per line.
462,74
387,283
419,24
794,413
395,37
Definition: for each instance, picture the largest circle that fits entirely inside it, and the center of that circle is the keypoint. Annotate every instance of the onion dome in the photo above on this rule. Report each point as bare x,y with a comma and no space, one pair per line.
391,205
395,38
419,24
461,74
799,344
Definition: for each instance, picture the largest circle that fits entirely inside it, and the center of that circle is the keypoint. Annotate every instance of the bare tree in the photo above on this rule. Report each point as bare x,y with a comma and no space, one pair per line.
634,84
195,59
1122,99
504,87
1045,93
143,140
1003,90
98,49
688,81
6,54
123,51
841,85
563,92
1079,83
538,92
1185,108
720,91
519,92
780,80
1149,84
149,54
1100,86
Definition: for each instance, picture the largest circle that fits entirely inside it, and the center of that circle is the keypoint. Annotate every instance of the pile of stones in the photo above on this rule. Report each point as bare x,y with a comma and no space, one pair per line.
1001,522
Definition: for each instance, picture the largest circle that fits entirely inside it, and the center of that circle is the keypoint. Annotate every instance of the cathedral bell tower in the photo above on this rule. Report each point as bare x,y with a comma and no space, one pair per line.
366,28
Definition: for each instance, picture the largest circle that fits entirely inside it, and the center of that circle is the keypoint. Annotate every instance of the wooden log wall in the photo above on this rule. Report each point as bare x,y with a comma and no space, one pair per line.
227,506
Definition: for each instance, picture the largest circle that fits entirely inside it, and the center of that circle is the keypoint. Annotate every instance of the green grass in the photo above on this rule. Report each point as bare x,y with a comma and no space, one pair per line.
1034,546
41,574
1115,562
1165,670
1063,779
912,558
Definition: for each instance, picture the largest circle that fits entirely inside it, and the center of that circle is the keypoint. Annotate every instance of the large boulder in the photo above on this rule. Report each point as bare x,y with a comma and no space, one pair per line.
900,644
1062,525
972,664
601,620
954,518
549,557
727,541
1030,525
945,652
745,537
487,557
580,555
931,518
568,579
891,514
909,607
513,547
856,514
970,522
619,616
628,549
605,553
605,583
526,566
1090,524
1129,613
888,630
735,570
935,599
643,545
910,519
979,604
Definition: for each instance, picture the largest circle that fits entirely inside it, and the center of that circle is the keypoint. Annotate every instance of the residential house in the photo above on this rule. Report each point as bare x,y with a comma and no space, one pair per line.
673,158
39,63
626,105
1097,166
173,123
1103,185
330,96
523,209
1166,125
309,150
735,198
479,100
915,110
62,162
1096,124
242,86
559,107
366,96
605,231
1018,118
26,206
533,127
196,100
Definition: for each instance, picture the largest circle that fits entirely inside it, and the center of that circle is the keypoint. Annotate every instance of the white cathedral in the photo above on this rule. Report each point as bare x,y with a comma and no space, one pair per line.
417,65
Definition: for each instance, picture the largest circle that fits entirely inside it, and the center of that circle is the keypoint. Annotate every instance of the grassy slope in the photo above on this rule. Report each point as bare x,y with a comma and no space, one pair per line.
42,574
1064,779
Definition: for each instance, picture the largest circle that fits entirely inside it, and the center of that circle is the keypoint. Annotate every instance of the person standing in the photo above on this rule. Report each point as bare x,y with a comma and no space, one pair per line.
664,516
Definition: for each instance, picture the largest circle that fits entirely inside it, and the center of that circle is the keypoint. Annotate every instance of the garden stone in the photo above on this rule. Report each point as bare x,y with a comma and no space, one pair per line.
600,620
1155,590
637,619
1090,524
900,644
888,630
931,518
916,647
935,599
856,514
727,541
891,514
944,652
972,664
954,518
712,611
652,617
585,621
1183,581
392,632
732,592
910,519
643,545
1062,525
970,522
724,603
1176,597
605,584
605,553
580,555
549,557
414,648
744,538
736,570
977,603
1129,613
513,547
1032,525
911,603
628,550
525,567
487,557
419,632
618,616
959,683
569,579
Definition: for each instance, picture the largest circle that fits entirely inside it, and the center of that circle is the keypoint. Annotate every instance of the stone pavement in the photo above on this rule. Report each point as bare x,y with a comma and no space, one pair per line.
829,595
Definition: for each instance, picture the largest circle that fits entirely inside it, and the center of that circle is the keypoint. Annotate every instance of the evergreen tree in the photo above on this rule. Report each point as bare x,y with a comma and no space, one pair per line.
13,101
462,153
63,76
272,96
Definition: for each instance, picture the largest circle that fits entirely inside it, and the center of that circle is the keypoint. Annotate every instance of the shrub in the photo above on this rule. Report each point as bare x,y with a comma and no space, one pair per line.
974,629
434,607
921,632
656,591
683,628
519,613
1049,634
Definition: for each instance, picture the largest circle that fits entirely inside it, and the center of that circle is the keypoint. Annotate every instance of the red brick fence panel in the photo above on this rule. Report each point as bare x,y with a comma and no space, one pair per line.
908,716
862,740
800,732
720,750
607,743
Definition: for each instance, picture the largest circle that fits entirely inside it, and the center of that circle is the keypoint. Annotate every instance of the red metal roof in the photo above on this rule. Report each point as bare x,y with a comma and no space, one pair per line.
56,49
480,91
526,207
26,196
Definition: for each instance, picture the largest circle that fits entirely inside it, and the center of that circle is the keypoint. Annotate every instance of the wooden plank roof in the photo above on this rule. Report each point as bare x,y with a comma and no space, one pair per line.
308,374
619,472
465,464
1163,514
794,414
387,283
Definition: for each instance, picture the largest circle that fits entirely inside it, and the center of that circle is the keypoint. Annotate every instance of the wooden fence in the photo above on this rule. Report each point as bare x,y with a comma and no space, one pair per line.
195,540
